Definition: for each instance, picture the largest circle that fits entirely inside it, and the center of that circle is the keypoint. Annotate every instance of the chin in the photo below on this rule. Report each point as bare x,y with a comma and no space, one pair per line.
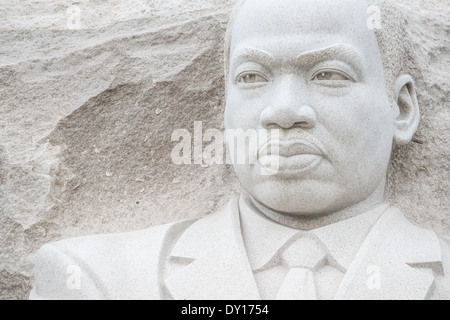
299,198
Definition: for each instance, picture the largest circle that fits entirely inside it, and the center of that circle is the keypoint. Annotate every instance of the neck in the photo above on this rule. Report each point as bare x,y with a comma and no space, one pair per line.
306,222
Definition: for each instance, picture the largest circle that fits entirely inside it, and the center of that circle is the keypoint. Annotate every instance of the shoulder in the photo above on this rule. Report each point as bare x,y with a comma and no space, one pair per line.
443,279
112,266
420,248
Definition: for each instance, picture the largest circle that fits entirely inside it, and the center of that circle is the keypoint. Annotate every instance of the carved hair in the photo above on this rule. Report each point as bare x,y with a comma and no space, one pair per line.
397,51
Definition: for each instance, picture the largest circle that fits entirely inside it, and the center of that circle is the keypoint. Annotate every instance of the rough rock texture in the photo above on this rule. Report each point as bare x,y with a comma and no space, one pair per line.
86,118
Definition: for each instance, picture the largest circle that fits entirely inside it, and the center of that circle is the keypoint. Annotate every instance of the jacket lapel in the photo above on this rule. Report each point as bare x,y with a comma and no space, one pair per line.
396,261
220,268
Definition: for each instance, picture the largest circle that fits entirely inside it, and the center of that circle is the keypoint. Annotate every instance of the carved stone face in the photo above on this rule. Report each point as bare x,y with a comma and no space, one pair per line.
313,69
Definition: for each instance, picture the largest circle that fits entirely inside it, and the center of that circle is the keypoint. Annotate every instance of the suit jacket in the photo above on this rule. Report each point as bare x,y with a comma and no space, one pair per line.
206,259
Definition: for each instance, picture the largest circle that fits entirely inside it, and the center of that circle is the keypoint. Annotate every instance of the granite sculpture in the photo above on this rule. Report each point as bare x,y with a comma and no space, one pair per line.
339,93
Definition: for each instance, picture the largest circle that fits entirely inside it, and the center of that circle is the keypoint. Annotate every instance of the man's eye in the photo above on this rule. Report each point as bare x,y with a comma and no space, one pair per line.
330,76
251,78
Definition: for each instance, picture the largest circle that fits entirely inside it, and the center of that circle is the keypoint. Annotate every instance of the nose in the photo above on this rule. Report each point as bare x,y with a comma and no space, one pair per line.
289,108
288,117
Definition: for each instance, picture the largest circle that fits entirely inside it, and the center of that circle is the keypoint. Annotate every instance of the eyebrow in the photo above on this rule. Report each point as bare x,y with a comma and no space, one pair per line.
249,54
343,52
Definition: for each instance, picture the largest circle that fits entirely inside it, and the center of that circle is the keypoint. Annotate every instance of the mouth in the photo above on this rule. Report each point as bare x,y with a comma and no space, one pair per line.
291,148
291,156
294,148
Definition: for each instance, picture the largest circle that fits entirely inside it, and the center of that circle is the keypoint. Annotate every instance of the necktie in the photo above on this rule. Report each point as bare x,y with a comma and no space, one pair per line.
304,257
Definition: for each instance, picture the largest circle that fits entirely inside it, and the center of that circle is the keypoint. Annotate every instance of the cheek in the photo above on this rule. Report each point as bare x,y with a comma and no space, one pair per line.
374,120
357,118
242,112
359,130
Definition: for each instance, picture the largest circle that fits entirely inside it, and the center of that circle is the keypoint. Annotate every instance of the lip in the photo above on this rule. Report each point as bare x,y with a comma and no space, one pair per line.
291,148
291,157
299,164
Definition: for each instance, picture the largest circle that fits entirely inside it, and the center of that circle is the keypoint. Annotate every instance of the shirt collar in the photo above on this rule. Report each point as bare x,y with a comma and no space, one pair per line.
263,237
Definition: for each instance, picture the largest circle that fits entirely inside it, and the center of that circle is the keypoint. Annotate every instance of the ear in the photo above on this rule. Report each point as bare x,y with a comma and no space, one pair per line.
406,109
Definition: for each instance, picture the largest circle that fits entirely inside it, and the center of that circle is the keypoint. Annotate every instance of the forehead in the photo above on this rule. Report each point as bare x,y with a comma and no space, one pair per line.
287,26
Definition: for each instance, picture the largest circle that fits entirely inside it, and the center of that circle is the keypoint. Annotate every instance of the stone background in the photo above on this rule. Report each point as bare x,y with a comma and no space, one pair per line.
86,118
